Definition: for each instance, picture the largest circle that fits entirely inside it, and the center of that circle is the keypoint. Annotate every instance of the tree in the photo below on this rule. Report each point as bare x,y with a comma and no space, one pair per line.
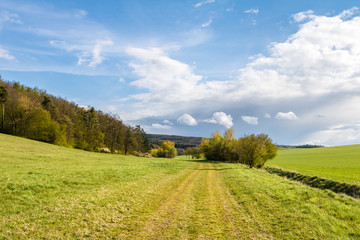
252,150
129,142
255,150
3,98
166,150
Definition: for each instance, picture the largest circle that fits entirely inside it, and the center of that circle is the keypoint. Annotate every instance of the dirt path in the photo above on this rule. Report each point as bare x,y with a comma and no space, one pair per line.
201,207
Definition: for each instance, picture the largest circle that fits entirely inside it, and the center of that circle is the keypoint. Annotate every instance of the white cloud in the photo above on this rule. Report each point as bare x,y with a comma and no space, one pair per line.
160,126
6,54
348,13
308,73
187,119
207,24
221,118
86,108
95,57
205,2
336,135
250,120
301,16
111,108
168,122
286,116
253,11
7,17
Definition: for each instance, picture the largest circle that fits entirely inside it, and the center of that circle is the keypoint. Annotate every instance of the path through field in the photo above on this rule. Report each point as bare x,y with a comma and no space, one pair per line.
50,192
200,207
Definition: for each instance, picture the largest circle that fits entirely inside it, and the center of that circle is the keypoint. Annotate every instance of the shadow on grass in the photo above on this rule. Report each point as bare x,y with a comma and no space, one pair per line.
317,182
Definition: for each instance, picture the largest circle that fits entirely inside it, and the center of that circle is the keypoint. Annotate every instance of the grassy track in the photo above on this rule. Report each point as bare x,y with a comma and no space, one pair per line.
58,193
336,163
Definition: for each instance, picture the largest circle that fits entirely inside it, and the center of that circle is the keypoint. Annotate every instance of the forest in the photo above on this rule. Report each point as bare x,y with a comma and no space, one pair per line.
34,114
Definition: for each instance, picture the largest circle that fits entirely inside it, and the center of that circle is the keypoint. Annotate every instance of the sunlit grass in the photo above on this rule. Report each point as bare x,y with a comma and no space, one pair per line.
52,192
337,163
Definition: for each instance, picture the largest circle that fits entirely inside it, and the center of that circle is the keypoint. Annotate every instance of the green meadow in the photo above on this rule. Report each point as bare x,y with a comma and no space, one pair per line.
337,163
51,192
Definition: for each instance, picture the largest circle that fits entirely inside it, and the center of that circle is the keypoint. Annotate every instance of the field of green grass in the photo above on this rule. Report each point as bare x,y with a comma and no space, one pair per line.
52,192
337,163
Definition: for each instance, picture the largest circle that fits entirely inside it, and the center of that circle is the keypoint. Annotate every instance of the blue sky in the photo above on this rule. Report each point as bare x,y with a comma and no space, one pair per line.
286,68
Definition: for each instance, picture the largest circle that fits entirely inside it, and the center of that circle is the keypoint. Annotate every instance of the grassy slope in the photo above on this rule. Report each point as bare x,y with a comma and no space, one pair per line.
52,192
337,163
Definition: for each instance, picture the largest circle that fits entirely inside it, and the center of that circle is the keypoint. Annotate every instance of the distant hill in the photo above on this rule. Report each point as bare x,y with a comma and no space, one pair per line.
181,142
300,146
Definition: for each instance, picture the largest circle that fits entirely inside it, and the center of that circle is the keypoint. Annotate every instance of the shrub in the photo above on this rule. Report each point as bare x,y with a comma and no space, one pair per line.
166,150
252,150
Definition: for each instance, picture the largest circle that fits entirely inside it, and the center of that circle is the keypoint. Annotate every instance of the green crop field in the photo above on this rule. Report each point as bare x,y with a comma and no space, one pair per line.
336,163
50,192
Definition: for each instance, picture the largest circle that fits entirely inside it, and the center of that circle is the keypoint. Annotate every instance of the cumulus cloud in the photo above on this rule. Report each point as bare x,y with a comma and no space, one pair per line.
221,118
204,2
5,54
286,116
253,11
250,120
187,119
312,68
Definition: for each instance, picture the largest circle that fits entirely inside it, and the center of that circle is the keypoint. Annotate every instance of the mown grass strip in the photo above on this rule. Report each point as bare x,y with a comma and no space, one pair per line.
318,182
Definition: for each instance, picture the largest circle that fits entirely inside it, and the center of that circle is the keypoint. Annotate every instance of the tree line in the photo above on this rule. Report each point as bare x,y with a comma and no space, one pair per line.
34,114
252,150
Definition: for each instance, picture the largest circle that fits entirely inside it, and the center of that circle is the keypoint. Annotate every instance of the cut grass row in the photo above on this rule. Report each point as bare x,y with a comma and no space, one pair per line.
52,192
336,163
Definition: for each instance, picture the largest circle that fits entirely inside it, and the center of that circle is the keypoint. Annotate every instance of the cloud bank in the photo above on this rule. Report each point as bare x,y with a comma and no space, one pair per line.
319,62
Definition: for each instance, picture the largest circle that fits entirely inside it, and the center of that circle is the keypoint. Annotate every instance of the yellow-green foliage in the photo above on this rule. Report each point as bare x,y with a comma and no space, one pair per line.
252,150
166,150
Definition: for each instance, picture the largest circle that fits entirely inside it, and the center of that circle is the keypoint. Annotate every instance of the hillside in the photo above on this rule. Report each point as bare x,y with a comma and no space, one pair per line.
338,163
53,192
34,114
181,142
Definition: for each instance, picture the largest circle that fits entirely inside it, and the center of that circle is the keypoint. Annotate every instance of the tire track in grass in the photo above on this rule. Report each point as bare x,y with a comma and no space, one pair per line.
229,219
172,214
201,207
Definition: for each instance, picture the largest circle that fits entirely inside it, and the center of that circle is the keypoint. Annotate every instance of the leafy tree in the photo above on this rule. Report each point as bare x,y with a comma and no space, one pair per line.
129,142
252,150
166,150
3,98
32,113
255,150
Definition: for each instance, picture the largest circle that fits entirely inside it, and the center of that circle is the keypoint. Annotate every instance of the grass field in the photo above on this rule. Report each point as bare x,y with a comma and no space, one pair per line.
58,193
336,163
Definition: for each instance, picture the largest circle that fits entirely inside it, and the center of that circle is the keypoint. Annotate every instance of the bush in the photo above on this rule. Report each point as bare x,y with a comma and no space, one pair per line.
252,150
166,150
255,150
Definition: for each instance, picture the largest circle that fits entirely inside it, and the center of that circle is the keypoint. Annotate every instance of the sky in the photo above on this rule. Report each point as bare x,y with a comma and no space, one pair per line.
289,69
